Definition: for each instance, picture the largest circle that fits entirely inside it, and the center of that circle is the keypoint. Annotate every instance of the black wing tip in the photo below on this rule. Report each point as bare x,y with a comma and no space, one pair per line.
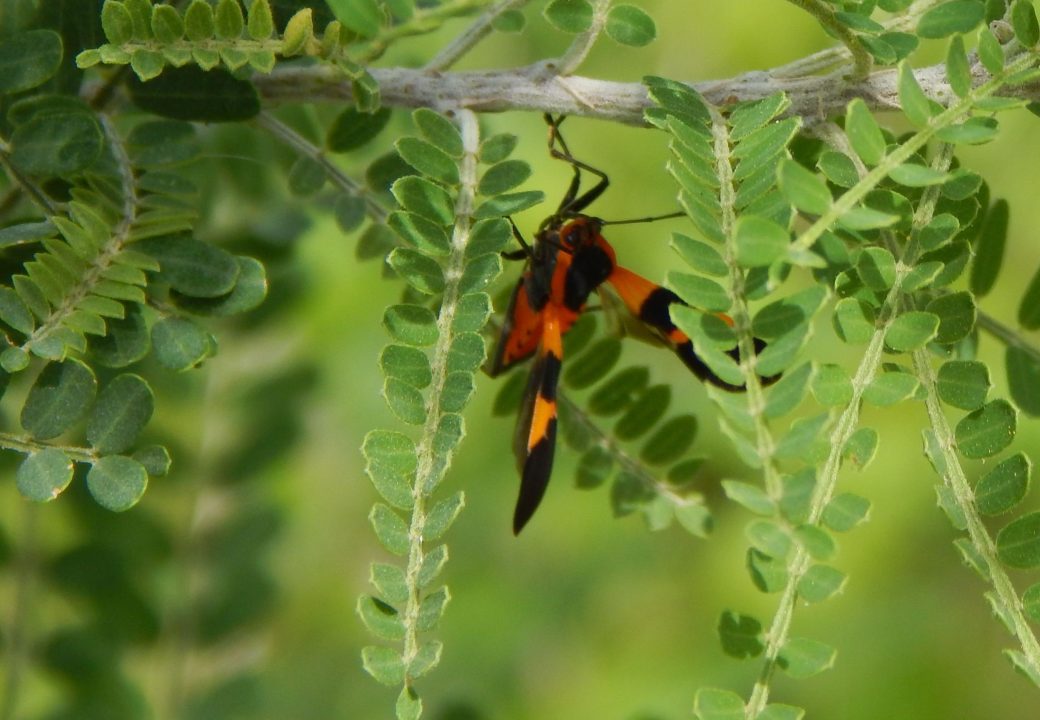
535,478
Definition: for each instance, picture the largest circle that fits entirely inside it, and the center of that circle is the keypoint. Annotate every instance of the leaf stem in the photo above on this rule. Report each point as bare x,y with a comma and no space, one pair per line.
1006,335
481,28
825,15
430,453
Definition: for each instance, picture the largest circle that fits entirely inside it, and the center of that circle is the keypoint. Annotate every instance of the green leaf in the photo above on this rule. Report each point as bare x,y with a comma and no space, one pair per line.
61,395
750,496
846,511
670,441
989,248
821,582
1023,375
29,59
198,21
948,18
838,168
352,128
788,392
44,474
889,388
569,16
193,267
963,384
1031,602
973,131
914,175
831,385
167,24
700,292
116,22
991,53
407,403
863,132
854,321
431,609
389,581
365,17
421,272
180,344
630,25
617,393
769,537
718,704
229,21
911,331
58,144
1018,543
797,495
816,541
511,21
390,529
427,658
956,312
759,241
741,635
1003,487
381,619
249,291
508,204
767,573
14,312
383,663
986,431
877,268
916,105
408,364
594,468
802,658
424,198
1029,309
861,447
127,340
154,458
390,463
504,176
1024,23
117,482
428,159
260,23
700,255
644,413
193,94
122,410
497,148
442,515
778,711
958,72
409,705
803,188
594,364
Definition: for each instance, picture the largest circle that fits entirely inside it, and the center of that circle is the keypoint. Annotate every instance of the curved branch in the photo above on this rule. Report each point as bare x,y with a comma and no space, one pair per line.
814,98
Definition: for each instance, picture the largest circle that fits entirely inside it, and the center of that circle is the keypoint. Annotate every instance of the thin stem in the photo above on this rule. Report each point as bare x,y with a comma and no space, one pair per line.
1006,335
481,28
421,21
825,15
827,479
333,173
955,479
430,457
581,46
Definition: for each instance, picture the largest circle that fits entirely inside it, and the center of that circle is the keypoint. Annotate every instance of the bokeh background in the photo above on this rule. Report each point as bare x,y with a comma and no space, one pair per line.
583,616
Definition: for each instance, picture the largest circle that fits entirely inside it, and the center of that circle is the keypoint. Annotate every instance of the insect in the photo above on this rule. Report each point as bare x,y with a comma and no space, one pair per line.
569,260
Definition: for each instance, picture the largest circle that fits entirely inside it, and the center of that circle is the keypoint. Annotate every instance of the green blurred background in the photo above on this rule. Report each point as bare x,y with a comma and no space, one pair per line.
583,616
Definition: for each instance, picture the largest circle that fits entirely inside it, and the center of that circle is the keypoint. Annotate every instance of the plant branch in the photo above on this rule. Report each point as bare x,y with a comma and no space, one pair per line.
1006,335
825,15
843,429
333,173
813,97
481,28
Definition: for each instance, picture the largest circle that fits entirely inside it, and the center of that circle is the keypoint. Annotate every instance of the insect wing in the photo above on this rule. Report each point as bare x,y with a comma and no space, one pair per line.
535,440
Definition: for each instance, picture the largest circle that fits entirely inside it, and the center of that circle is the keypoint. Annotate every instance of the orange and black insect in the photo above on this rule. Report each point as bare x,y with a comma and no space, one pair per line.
569,260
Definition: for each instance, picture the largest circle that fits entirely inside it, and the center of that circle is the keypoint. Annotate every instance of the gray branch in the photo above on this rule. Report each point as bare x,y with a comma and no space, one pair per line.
538,88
